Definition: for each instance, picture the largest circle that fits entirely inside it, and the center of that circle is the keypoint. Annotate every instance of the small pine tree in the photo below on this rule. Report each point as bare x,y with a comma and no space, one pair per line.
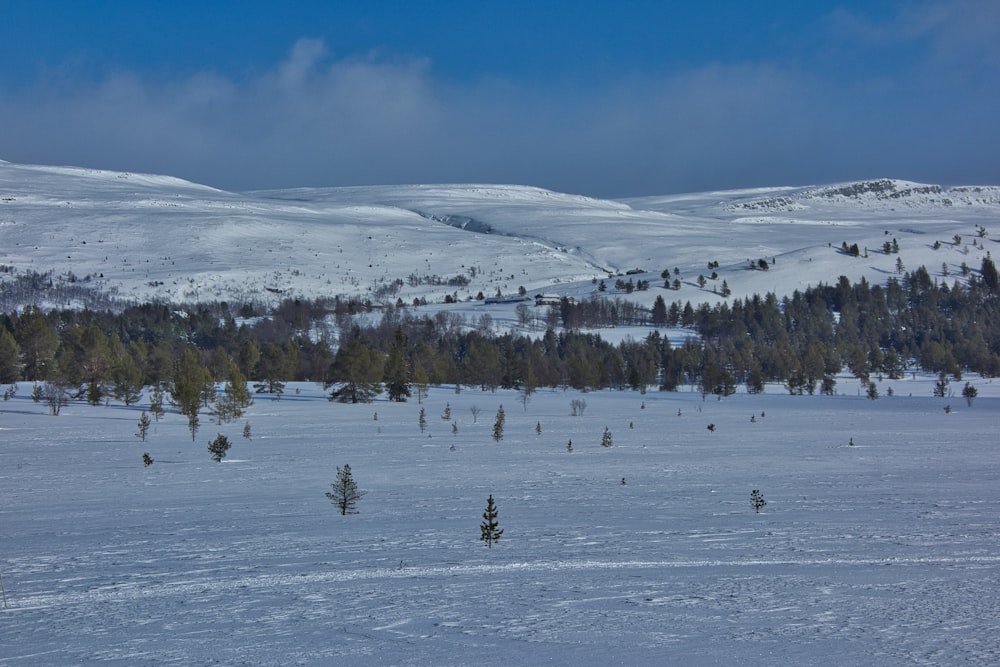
606,439
970,393
941,386
246,431
156,402
490,528
147,460
538,428
95,392
219,447
345,493
569,445
193,425
872,392
498,425
422,420
143,426
446,415
757,501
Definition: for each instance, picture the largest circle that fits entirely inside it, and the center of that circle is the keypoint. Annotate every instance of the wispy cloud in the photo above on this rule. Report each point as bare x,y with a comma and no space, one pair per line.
315,119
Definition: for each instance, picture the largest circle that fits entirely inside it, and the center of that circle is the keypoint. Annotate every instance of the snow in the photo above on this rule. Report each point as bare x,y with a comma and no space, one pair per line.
883,552
157,237
879,553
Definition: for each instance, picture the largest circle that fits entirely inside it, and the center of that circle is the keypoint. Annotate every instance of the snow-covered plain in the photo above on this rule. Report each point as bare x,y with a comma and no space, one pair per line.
883,553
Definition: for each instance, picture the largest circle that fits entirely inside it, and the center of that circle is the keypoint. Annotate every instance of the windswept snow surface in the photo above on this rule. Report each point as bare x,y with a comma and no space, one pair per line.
156,237
879,553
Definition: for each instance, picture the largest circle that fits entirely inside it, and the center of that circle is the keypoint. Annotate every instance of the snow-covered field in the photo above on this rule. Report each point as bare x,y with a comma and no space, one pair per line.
881,553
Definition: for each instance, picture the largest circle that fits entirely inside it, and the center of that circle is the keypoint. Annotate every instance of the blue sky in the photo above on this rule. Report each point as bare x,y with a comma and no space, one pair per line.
599,98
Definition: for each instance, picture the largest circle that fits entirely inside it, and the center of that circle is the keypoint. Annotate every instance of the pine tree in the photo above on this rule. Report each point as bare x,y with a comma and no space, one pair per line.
941,386
872,392
10,355
422,383
989,276
219,447
606,440
422,420
147,460
190,379
757,501
156,402
143,426
95,392
357,370
397,370
490,530
498,425
345,493
235,396
246,431
446,415
659,311
276,364
970,393
127,376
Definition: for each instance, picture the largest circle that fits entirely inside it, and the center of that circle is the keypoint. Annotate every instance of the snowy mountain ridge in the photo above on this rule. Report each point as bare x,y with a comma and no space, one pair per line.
159,237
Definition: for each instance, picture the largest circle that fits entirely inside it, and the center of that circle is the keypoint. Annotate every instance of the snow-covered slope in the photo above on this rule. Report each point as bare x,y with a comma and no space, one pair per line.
161,237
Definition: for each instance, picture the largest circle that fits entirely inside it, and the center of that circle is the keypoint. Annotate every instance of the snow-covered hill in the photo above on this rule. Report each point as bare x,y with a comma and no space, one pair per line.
160,237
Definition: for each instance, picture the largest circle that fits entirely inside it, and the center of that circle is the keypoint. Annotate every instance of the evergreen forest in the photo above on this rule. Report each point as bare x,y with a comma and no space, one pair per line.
803,341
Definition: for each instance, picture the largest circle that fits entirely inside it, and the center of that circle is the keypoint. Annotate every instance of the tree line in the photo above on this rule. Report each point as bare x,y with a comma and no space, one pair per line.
802,340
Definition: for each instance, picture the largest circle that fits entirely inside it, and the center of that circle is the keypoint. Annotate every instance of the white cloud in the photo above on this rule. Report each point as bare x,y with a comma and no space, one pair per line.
314,119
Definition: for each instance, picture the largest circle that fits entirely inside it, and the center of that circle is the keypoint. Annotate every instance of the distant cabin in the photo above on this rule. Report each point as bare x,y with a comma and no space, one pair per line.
547,299
506,298
551,299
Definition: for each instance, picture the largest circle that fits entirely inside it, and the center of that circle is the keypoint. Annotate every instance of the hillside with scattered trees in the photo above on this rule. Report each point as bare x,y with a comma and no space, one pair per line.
803,341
